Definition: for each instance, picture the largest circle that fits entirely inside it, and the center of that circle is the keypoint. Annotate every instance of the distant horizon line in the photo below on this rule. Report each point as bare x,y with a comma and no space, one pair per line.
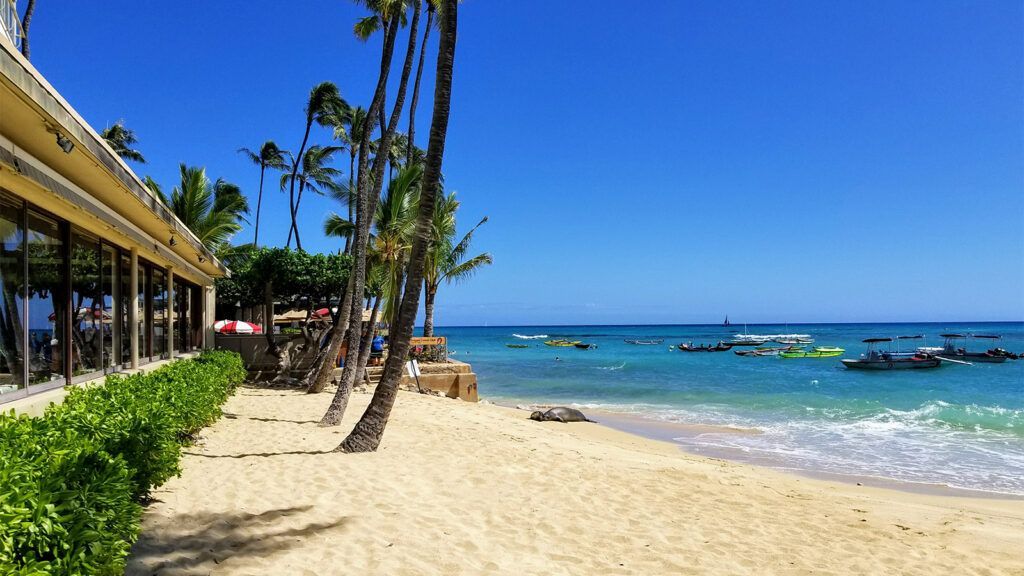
732,324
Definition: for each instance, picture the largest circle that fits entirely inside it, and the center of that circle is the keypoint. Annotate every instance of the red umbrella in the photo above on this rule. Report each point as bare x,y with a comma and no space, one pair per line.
322,313
236,327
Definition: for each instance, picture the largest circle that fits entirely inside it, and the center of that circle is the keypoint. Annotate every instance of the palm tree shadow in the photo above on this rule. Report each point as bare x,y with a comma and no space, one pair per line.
231,416
182,543
258,454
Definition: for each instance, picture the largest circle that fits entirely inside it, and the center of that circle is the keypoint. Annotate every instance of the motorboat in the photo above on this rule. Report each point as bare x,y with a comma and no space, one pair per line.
874,359
952,349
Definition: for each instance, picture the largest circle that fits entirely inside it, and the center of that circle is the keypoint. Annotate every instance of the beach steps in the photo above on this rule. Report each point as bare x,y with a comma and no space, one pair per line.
453,379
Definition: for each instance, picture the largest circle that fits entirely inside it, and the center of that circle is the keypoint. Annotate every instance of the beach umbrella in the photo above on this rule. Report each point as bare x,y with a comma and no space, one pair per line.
322,313
236,327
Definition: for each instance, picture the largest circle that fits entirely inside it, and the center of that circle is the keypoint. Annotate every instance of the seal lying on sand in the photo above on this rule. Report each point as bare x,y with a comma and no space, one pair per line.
560,414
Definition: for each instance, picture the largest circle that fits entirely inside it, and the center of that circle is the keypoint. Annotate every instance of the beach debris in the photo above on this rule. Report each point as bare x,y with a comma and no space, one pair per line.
560,414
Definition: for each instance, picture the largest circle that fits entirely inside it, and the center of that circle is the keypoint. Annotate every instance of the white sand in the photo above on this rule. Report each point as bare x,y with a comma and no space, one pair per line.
459,488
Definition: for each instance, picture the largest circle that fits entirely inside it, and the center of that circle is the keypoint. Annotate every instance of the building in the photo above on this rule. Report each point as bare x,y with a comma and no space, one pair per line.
97,275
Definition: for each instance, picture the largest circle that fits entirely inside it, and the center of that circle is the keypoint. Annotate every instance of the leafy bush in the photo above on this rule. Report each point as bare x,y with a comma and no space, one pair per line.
70,481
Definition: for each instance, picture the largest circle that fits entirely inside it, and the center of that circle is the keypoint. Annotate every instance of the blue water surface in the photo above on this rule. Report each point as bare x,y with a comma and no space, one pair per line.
961,426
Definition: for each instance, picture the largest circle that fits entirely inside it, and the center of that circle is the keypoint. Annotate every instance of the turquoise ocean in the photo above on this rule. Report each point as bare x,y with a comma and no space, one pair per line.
958,426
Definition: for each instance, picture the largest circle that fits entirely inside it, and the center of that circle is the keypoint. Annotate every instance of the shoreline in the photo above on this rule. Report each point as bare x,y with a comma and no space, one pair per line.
672,432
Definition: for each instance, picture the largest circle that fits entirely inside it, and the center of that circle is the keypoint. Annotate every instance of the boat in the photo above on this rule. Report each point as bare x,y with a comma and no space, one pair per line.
874,359
518,345
561,343
766,351
585,345
726,323
950,349
816,352
689,347
645,342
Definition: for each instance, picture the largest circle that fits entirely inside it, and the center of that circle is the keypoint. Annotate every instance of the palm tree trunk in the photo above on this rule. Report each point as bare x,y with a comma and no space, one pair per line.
351,174
366,435
416,87
295,216
428,311
363,216
259,203
369,203
364,351
295,171
26,21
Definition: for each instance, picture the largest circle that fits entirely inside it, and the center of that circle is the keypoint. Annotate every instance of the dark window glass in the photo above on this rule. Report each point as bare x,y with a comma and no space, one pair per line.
86,305
110,326
160,314
196,308
182,331
47,303
145,312
12,319
126,293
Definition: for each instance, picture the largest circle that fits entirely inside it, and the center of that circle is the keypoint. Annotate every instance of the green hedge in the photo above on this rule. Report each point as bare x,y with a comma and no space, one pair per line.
70,481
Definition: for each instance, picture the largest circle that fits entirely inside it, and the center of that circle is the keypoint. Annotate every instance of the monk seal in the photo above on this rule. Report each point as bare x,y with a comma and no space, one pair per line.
560,414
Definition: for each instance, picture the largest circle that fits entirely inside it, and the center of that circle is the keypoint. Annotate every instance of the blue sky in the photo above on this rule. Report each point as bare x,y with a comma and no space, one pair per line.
653,162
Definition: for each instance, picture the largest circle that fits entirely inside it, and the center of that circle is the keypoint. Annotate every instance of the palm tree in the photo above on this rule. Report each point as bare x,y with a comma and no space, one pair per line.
121,139
446,261
431,8
350,132
26,21
366,435
212,210
392,13
316,176
395,221
269,156
325,107
155,187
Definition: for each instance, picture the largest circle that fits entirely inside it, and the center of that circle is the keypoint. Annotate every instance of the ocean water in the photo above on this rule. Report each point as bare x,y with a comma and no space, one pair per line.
960,426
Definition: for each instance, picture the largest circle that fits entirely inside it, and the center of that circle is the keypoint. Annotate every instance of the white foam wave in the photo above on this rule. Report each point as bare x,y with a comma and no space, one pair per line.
619,367
534,337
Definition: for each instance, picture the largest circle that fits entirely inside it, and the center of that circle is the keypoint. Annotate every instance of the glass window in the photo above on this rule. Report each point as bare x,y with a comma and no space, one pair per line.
182,331
196,308
86,305
110,326
126,293
47,303
160,314
145,312
12,273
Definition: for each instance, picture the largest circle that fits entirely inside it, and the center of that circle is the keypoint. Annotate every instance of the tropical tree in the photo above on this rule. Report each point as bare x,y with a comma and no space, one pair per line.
26,21
155,187
315,176
122,139
368,186
446,261
395,221
269,156
350,133
325,107
366,435
411,144
212,210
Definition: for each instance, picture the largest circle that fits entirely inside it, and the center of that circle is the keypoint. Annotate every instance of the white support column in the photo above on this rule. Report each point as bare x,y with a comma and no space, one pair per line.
133,310
209,313
169,312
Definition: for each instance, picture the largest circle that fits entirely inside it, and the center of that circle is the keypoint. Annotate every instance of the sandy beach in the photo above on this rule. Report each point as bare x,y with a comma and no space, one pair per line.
460,488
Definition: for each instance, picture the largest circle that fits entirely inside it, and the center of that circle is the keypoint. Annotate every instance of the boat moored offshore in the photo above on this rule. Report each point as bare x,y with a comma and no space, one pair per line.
874,359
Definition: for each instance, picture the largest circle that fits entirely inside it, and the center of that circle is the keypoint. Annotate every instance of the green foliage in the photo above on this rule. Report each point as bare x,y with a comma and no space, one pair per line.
70,481
293,274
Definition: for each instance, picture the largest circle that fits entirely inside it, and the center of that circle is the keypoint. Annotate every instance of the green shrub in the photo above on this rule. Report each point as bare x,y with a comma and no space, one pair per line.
70,481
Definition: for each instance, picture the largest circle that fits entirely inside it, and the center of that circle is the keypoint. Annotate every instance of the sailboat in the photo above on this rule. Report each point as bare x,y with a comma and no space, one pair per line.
726,323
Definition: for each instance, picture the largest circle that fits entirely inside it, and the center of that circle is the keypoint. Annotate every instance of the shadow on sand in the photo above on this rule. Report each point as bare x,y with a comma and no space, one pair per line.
196,543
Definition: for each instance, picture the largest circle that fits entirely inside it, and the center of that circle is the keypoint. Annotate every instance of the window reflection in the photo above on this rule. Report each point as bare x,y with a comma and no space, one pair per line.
12,271
160,314
86,306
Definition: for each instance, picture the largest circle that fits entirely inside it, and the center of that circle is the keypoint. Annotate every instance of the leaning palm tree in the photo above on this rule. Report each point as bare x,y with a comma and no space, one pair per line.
411,144
325,106
366,435
315,176
121,140
269,156
446,261
212,210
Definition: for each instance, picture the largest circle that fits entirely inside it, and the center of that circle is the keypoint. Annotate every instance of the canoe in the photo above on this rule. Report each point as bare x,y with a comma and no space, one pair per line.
816,352
721,347
645,342
561,343
518,345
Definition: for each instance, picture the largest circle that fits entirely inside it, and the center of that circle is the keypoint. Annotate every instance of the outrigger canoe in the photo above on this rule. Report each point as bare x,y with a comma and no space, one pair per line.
560,343
518,345
816,352
720,347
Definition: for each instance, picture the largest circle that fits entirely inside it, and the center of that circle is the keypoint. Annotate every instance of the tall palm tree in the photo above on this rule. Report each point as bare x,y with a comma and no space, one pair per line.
395,221
368,187
121,140
411,144
269,156
446,261
350,133
325,106
212,210
366,435
26,21
315,176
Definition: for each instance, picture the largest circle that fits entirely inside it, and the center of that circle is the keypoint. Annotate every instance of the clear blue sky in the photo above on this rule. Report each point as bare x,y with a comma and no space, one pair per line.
652,162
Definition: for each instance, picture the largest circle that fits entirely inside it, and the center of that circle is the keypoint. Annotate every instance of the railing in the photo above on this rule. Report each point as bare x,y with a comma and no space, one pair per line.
10,24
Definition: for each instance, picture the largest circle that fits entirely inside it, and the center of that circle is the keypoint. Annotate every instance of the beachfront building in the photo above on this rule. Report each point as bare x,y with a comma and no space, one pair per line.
97,275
